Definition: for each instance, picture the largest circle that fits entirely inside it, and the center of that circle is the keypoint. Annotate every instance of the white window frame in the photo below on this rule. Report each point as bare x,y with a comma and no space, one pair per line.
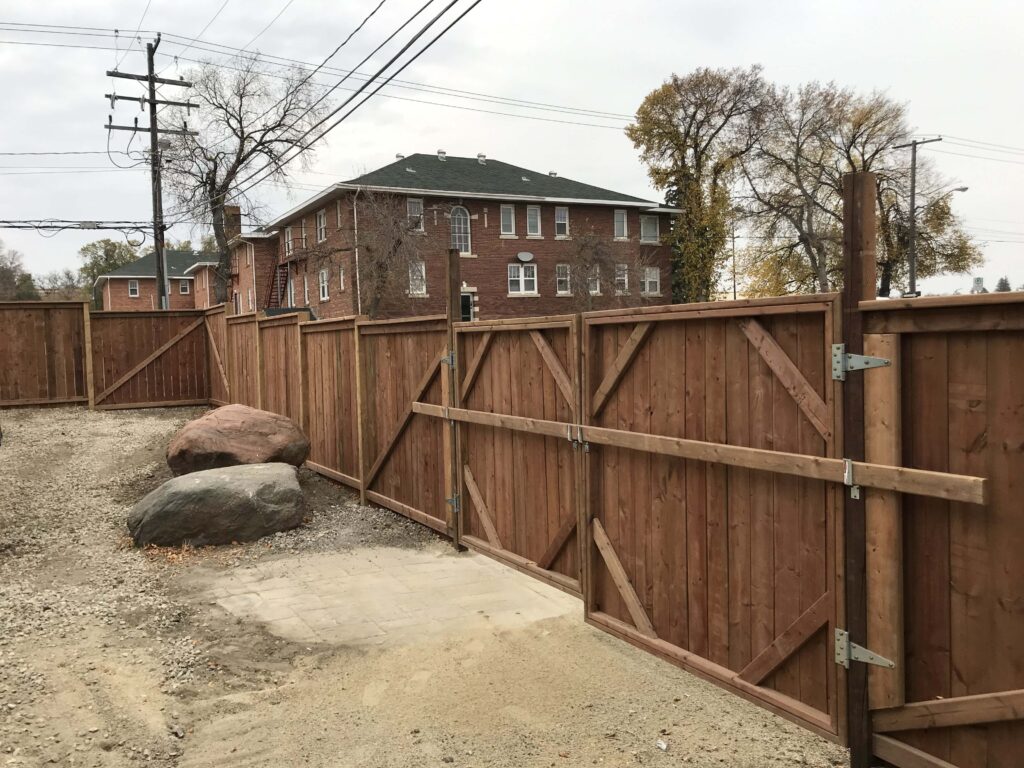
248,292
305,289
501,221
183,287
518,276
625,224
289,247
339,212
566,278
621,279
417,282
409,204
248,258
533,209
324,284
647,281
133,289
469,230
657,229
341,277
562,209
594,281
302,231
321,225
291,289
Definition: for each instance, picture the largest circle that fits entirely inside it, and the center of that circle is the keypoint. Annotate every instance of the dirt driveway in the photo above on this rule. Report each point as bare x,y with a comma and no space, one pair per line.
357,640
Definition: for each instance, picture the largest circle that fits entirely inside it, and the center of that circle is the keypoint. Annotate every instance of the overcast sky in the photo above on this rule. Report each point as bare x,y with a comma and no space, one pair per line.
958,66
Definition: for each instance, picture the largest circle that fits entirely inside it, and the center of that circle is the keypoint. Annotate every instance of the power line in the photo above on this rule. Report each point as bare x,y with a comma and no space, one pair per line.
134,36
397,83
978,157
273,21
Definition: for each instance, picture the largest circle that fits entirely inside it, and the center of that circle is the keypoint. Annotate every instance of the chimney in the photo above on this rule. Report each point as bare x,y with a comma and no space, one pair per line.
552,174
481,158
441,155
232,221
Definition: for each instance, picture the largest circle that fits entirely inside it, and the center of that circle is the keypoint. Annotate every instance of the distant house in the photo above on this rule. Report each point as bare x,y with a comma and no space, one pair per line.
514,228
133,286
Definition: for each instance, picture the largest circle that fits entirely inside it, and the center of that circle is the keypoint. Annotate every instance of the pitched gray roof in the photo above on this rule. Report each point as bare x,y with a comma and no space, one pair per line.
468,176
177,263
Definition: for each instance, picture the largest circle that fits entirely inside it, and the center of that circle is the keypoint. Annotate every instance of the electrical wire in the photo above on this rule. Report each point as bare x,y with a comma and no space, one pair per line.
136,35
273,21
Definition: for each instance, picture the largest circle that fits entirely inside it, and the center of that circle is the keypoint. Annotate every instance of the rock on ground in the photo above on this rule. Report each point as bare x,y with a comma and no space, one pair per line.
236,434
219,506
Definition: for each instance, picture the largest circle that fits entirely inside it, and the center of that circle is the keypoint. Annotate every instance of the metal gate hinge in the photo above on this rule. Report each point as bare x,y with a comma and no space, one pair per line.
453,502
843,362
449,360
848,479
847,652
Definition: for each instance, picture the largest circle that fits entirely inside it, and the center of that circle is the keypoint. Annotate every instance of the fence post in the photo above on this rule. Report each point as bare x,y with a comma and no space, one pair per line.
357,350
90,385
259,365
450,397
859,262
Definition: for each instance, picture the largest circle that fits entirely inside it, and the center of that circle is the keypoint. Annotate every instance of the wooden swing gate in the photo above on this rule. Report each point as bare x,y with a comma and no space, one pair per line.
680,469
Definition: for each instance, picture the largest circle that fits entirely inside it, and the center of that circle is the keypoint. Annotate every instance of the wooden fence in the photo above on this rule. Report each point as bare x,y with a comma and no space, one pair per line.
709,479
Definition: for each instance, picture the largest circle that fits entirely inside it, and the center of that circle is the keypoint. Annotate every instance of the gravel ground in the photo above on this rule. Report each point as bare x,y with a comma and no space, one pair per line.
110,657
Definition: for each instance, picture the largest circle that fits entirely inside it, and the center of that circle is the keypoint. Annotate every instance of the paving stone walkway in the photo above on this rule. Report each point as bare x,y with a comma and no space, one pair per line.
386,596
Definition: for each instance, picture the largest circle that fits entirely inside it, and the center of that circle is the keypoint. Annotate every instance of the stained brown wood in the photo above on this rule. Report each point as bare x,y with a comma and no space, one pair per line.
620,365
945,713
905,756
42,352
792,638
554,365
884,558
473,369
557,543
808,400
618,574
481,507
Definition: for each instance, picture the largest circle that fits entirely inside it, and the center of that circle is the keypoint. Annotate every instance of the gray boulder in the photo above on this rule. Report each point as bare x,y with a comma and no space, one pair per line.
236,434
219,506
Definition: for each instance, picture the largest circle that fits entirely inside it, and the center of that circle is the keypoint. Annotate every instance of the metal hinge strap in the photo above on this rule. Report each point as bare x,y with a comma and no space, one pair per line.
455,503
847,652
843,362
449,360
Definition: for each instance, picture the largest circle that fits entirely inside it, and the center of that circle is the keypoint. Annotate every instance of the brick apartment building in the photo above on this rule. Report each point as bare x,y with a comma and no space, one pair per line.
519,233
133,286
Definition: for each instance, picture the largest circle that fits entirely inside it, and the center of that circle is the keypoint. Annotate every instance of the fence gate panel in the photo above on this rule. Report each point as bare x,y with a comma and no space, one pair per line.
403,451
280,366
145,359
729,571
217,341
519,488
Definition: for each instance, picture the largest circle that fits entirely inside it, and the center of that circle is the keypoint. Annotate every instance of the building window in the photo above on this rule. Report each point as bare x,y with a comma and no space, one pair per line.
508,219
183,287
248,292
339,213
302,231
460,230
621,279
522,279
621,228
288,247
323,279
417,278
291,289
533,221
594,281
414,209
561,222
651,283
341,278
133,289
562,285
305,289
649,231
321,225
247,258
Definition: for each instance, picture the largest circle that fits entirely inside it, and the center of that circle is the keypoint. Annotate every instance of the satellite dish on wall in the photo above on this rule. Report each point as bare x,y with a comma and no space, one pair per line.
524,256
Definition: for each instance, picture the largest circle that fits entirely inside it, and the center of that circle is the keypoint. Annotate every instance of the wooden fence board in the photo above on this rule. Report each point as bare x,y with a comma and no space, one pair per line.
42,353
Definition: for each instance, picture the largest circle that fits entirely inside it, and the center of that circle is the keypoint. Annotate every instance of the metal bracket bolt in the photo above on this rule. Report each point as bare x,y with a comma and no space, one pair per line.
843,362
847,652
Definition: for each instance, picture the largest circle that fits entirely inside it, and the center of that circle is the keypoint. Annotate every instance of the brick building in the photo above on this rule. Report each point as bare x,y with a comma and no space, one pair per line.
133,286
254,256
520,234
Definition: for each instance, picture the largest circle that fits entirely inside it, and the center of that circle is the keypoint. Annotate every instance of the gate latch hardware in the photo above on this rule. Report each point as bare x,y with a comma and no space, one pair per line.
847,652
843,362
848,479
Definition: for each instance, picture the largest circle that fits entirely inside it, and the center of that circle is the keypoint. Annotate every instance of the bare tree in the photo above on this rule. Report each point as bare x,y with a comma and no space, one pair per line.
250,122
597,273
63,285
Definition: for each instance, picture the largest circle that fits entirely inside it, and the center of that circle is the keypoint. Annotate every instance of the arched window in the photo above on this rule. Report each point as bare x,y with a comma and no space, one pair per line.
460,229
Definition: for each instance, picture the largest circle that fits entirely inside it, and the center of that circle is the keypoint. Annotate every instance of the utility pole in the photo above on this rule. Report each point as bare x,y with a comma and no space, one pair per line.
155,160
912,245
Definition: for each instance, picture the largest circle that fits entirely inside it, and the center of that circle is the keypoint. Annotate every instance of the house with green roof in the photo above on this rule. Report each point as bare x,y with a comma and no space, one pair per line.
531,243
132,287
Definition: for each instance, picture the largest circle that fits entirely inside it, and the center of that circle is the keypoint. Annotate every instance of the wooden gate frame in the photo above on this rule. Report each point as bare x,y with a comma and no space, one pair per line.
568,386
